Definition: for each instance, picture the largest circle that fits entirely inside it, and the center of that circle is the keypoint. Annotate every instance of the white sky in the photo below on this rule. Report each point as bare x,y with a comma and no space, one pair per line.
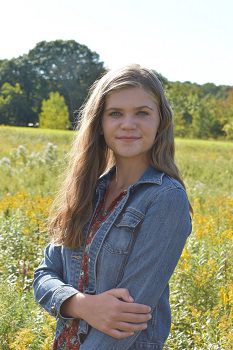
185,40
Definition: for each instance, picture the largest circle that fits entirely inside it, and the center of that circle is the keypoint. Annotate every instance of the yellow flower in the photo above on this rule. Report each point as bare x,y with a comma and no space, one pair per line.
23,339
195,313
205,272
227,234
223,296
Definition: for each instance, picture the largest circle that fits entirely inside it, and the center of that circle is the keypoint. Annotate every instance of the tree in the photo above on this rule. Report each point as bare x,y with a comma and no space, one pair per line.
67,67
225,111
205,119
184,99
162,79
195,109
12,105
64,66
54,112
18,71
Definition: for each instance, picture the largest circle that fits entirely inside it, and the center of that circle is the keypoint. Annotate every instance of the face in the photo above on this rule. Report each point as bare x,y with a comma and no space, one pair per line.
130,122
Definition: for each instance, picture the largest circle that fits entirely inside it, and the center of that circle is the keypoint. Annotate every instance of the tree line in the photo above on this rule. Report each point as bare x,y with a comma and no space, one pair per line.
47,86
59,66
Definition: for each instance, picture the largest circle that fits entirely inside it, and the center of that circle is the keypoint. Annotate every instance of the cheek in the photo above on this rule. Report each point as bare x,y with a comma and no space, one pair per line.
106,132
152,132
108,128
104,129
152,127
156,125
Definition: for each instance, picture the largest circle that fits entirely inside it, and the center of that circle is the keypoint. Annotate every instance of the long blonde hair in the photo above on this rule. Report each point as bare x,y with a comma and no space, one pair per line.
90,157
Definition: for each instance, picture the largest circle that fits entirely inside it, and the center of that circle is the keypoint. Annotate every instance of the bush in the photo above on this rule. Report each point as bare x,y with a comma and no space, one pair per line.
54,113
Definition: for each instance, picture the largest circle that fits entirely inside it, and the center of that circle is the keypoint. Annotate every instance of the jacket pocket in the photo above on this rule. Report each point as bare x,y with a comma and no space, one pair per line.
121,234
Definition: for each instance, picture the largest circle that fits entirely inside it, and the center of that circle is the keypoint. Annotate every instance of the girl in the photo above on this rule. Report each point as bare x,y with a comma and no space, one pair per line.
119,223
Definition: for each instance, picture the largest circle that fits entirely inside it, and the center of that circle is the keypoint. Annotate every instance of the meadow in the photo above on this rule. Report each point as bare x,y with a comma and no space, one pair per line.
31,164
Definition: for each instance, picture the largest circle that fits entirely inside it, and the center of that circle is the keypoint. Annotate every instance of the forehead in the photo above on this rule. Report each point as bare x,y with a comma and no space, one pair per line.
130,96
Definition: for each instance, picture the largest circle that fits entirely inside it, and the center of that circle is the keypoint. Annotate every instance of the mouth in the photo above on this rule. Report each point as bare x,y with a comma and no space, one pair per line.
128,138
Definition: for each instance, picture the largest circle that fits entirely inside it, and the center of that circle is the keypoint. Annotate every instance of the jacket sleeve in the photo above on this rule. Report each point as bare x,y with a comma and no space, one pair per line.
157,249
49,288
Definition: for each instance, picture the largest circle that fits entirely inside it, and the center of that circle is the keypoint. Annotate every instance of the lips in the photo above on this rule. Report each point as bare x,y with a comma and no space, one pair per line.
128,138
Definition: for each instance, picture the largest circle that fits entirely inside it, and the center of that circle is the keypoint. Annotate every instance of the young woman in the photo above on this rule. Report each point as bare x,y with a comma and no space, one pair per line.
119,223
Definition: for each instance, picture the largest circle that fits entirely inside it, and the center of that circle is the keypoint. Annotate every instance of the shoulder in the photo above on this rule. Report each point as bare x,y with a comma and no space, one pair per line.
170,183
57,251
169,190
158,191
160,180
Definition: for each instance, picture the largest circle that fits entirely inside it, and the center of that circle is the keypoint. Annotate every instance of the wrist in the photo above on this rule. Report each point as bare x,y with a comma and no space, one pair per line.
75,306
82,302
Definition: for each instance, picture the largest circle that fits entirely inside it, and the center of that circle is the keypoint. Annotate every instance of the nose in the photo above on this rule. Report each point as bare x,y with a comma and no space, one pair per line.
128,123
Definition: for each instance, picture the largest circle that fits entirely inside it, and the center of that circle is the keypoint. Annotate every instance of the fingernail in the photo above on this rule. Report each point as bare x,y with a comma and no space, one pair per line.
131,299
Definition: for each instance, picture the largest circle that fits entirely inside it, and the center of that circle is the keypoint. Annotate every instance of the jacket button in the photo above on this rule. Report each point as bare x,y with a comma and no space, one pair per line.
53,310
77,257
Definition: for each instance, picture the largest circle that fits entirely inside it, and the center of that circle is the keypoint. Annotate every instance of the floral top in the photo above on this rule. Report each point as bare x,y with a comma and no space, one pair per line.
68,339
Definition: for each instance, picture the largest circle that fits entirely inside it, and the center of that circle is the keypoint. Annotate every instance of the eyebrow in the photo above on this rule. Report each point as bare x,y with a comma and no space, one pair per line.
120,109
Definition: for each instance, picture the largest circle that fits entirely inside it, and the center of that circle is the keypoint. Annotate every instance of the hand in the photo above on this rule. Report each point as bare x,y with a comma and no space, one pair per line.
115,314
111,312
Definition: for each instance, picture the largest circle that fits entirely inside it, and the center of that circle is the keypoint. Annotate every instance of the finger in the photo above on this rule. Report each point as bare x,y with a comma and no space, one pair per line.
135,318
134,308
120,334
130,327
121,293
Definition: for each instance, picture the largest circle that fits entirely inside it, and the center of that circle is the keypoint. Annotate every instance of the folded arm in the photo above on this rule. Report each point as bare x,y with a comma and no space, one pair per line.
50,290
157,249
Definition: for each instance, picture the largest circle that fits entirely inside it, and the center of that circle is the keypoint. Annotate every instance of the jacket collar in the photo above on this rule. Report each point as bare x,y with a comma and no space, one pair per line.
151,175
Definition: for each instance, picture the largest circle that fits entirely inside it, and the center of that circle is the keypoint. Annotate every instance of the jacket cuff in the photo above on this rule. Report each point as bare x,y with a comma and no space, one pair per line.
83,329
61,295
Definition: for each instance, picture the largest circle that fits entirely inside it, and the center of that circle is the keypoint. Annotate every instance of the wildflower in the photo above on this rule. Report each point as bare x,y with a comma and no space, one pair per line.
5,161
223,296
50,152
21,151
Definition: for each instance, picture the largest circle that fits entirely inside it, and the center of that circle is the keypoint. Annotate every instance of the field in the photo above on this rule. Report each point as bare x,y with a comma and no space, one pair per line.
31,163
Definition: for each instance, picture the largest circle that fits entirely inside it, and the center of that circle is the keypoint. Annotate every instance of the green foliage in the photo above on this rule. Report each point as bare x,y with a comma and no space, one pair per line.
11,104
196,110
13,313
20,71
225,112
64,66
23,325
54,113
200,111
228,128
67,67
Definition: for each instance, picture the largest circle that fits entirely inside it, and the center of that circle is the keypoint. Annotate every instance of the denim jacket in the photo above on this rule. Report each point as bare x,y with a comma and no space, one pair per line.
137,247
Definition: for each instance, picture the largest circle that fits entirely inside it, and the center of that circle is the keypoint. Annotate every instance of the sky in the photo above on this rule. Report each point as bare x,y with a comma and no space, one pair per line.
184,40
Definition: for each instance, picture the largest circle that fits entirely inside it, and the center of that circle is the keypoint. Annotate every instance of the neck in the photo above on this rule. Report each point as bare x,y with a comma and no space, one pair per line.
127,173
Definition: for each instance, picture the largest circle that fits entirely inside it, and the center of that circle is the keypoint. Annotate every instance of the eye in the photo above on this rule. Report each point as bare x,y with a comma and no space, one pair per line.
142,113
115,114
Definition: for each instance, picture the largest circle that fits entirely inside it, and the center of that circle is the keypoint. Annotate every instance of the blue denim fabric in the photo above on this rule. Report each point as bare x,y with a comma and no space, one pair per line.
137,247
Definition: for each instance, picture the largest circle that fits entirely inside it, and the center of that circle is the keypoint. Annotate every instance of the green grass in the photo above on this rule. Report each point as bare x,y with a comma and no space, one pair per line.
34,139
206,166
